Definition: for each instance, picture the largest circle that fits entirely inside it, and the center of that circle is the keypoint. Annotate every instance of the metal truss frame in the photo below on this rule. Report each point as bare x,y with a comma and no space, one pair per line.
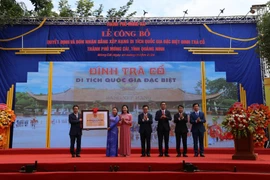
147,20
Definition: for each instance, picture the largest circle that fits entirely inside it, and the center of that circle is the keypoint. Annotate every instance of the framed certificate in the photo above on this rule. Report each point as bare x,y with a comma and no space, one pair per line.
95,120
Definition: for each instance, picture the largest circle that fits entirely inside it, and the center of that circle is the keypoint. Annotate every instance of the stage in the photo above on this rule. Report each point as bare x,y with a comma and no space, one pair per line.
53,163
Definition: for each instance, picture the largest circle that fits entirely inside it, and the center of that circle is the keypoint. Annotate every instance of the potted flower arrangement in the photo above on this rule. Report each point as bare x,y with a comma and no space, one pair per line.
261,116
241,125
247,127
7,117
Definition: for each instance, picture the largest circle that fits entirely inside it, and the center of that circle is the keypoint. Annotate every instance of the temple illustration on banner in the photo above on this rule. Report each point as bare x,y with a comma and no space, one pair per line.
117,97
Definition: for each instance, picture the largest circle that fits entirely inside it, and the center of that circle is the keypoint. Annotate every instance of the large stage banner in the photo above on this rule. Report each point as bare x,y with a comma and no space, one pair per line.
126,42
108,84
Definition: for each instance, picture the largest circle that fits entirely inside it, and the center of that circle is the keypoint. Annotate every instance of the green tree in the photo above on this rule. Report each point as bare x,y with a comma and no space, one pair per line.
122,12
264,35
98,11
40,4
23,102
43,8
65,9
217,85
84,8
26,13
10,11
198,87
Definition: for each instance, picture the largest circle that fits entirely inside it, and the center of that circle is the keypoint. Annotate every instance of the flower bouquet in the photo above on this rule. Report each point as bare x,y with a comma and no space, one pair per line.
7,116
261,116
239,122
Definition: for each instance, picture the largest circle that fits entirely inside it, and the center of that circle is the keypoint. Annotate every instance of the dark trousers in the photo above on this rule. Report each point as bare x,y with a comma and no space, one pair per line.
165,135
198,136
76,138
178,137
145,137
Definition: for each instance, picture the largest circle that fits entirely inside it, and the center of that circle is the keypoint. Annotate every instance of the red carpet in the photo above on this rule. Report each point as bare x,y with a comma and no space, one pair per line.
133,176
55,163
102,151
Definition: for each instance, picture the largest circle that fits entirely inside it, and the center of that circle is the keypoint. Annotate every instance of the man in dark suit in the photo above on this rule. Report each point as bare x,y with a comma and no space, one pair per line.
181,130
163,116
197,119
75,131
145,120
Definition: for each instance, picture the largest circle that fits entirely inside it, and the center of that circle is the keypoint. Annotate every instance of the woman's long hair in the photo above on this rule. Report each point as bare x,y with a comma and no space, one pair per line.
126,107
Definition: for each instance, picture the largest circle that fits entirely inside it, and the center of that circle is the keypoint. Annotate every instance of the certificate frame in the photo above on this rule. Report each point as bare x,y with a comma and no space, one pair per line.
95,121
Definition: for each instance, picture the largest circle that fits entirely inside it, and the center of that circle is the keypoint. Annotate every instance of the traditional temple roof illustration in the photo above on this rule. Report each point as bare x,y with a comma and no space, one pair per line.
116,95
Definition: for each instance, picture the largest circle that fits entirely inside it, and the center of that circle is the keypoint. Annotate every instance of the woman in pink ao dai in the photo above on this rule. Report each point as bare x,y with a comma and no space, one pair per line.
125,123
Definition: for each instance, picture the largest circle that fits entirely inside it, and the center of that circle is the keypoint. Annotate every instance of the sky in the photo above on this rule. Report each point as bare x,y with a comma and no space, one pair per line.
174,8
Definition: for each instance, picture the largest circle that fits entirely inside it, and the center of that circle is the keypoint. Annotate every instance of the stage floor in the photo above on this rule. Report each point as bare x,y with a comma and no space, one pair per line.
10,161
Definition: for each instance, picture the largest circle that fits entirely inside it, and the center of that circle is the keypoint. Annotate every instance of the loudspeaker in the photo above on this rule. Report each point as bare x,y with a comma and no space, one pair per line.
29,168
188,167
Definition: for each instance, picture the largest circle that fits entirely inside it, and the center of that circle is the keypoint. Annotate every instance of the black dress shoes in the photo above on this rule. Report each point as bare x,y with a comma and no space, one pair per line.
202,155
184,155
167,155
78,155
178,155
73,155
195,155
160,155
148,155
143,155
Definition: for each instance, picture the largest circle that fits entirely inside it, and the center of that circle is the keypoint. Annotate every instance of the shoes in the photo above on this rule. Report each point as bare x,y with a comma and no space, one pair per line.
184,155
148,155
73,155
143,155
178,155
167,155
202,155
195,155
78,155
160,155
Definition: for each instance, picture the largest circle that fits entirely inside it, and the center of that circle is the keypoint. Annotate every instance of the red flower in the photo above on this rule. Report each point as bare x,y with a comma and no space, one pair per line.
95,110
3,106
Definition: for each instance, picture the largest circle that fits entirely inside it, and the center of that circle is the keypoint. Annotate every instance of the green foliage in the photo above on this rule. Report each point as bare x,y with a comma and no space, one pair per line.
122,11
43,8
228,97
10,10
217,85
40,4
264,35
84,8
24,102
65,9
98,12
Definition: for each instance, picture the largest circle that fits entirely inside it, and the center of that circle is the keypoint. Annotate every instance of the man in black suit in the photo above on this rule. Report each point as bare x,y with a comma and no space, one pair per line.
197,119
163,116
181,130
75,131
145,120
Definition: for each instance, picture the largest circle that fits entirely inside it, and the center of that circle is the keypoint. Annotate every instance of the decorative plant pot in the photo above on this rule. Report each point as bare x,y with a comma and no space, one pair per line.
244,148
